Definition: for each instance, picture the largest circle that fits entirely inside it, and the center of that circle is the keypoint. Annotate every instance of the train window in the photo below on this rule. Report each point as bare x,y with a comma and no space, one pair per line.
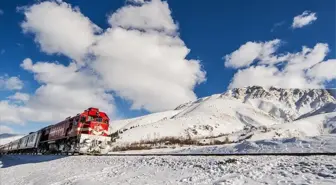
75,121
83,119
90,118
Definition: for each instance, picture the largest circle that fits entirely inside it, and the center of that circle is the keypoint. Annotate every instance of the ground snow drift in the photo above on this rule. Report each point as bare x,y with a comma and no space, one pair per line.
85,170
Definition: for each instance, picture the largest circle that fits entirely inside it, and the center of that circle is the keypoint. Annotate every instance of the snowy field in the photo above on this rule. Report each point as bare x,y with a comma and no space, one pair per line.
318,144
57,170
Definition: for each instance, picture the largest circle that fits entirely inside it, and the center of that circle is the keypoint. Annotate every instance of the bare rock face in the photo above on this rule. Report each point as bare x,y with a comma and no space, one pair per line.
289,104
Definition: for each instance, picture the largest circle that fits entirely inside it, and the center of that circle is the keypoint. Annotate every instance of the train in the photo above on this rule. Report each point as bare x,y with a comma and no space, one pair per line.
85,133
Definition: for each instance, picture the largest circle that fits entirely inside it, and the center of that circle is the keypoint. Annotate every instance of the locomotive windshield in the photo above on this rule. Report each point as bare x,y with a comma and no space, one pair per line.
98,119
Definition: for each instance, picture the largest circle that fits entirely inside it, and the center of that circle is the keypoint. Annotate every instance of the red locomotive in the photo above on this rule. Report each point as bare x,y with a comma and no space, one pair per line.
86,132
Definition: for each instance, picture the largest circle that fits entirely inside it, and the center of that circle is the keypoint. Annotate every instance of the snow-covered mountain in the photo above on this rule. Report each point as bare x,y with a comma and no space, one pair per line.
7,138
252,113
242,113
287,104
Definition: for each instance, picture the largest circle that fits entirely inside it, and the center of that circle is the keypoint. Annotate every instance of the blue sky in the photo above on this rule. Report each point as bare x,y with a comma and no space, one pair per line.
210,30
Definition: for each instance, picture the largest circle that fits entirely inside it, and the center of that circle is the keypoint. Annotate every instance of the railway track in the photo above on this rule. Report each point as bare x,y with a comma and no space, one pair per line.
190,154
226,154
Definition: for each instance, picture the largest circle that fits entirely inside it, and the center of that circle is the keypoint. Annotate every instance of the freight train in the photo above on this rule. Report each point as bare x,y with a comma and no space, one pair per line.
85,133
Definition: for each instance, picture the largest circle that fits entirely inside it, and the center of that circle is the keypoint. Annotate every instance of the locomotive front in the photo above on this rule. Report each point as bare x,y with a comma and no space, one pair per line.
92,131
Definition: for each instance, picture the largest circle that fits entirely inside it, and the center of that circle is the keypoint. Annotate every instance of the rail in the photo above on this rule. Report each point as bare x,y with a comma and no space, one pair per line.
224,154
191,154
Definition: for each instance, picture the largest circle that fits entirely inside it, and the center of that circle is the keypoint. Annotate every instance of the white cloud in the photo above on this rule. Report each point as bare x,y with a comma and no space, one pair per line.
304,19
140,58
10,83
154,15
276,25
152,71
252,51
5,130
10,113
324,70
59,28
64,91
136,1
307,58
305,69
147,64
19,96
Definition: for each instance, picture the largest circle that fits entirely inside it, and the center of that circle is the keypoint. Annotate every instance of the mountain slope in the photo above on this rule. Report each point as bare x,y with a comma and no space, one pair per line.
7,138
252,112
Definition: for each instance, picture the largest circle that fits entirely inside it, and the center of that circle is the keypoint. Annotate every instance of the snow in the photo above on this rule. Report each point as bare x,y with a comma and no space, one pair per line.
139,121
325,143
211,117
84,170
5,140
311,126
316,144
252,111
255,119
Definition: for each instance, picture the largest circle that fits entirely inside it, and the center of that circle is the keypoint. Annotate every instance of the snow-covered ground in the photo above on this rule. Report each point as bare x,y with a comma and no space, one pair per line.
318,144
85,170
100,170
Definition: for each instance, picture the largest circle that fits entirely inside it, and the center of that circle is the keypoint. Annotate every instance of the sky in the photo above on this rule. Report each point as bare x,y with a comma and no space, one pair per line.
134,57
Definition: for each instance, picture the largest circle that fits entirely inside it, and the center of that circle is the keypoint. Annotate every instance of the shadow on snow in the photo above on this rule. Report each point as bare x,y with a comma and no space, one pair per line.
14,160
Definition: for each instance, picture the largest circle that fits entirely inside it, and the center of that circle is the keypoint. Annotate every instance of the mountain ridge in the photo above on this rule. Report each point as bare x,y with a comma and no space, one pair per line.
238,110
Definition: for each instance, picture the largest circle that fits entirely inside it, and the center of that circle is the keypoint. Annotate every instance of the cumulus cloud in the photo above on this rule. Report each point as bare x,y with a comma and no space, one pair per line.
151,15
10,83
19,97
323,71
152,71
146,64
304,19
10,113
60,28
252,51
305,69
139,59
64,91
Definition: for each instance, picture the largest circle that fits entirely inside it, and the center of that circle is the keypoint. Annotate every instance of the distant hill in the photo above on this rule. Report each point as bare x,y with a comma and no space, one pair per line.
6,135
7,138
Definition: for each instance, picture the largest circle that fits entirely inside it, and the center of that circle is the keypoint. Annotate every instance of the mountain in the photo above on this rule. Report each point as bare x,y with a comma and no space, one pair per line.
6,135
238,114
7,138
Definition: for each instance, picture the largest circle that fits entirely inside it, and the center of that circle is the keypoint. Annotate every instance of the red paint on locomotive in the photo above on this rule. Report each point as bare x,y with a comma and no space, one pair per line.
91,121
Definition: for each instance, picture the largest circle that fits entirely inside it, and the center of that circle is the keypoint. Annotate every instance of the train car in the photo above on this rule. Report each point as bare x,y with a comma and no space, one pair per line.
4,148
87,132
29,143
13,146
